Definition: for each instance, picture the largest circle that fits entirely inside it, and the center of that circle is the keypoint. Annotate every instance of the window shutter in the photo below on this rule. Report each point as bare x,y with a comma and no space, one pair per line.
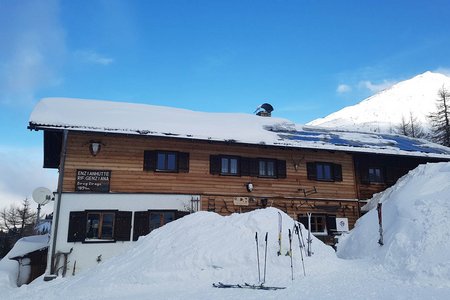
254,167
183,162
303,220
149,160
141,224
77,226
214,164
331,223
311,170
337,172
179,214
245,166
122,226
281,169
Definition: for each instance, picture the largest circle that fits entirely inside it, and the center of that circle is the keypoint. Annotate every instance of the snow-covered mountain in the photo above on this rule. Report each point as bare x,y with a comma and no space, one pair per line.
383,111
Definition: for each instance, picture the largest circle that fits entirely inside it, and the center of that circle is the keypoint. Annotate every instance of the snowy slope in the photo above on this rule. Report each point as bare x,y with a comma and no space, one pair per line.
416,219
384,110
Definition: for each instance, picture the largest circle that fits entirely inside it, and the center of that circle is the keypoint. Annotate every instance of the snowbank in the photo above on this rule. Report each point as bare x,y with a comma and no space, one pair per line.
416,221
182,259
207,246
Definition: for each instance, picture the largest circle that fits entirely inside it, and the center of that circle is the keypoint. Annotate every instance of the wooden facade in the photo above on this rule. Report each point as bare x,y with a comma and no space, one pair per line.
296,192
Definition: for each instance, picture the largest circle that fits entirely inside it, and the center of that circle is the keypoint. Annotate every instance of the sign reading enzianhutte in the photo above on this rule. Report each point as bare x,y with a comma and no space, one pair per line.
93,181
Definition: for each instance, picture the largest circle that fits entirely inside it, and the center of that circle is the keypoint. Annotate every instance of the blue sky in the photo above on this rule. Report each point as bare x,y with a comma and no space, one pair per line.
306,58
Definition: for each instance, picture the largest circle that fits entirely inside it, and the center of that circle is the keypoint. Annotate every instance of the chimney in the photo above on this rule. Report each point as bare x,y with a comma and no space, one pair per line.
264,110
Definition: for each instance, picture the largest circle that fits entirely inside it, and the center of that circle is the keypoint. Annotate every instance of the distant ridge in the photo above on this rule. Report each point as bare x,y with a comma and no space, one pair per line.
383,111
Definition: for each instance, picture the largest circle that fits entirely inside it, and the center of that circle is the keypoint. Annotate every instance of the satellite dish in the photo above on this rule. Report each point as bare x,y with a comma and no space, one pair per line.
42,195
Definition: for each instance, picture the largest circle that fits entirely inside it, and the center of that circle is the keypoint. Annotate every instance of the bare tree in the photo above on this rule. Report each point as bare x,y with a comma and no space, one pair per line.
410,127
403,128
9,218
19,219
440,119
416,128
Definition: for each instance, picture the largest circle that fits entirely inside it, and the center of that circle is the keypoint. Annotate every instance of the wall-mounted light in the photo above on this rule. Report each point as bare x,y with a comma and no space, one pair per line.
95,147
249,187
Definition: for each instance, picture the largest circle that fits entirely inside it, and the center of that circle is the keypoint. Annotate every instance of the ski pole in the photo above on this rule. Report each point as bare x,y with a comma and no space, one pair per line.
257,256
290,253
265,259
309,235
300,247
303,241
280,227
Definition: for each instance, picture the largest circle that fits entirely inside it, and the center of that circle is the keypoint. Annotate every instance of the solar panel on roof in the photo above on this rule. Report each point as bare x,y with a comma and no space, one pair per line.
373,140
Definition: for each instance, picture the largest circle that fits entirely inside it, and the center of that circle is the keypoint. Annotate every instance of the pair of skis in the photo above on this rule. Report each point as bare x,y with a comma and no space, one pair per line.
247,286
265,257
259,286
309,239
297,230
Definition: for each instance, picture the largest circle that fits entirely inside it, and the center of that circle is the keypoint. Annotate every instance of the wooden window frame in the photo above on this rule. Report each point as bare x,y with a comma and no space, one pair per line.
160,211
374,178
321,166
266,161
335,171
78,226
141,223
327,221
166,161
151,161
101,214
229,158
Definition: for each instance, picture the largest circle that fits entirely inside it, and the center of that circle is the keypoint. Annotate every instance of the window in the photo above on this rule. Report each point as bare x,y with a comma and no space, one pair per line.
147,221
324,171
321,224
267,168
247,166
318,223
160,218
376,175
229,166
99,226
166,161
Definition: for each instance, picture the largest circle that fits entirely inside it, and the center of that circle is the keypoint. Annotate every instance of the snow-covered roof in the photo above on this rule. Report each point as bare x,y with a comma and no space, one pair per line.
29,244
151,120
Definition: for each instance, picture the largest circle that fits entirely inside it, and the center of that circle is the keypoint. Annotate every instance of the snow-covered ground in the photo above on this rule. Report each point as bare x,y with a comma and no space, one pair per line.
182,259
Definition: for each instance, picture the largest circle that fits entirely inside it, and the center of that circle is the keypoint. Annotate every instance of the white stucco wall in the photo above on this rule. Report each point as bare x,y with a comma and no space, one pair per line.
86,254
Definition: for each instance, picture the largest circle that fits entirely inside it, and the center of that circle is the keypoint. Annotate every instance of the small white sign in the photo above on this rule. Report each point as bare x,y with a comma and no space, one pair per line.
341,224
241,201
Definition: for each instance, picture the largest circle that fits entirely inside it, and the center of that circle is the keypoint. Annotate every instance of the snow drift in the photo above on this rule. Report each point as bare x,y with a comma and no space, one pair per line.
182,259
416,221
207,246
